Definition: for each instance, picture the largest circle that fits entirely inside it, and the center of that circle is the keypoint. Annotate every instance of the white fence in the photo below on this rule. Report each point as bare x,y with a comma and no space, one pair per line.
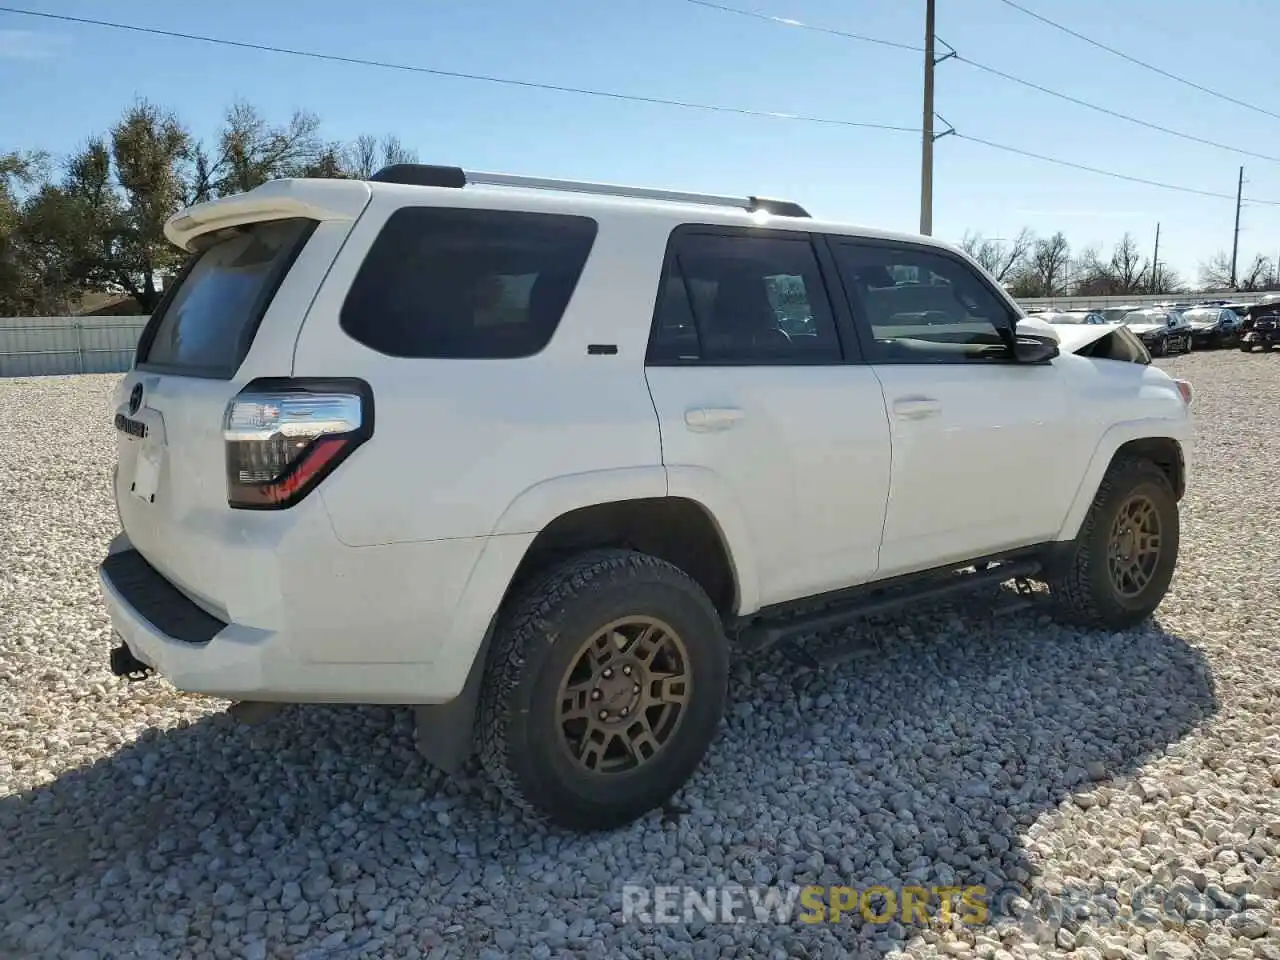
1099,303
44,346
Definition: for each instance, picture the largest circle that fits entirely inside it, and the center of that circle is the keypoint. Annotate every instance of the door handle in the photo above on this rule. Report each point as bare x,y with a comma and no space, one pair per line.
708,419
916,408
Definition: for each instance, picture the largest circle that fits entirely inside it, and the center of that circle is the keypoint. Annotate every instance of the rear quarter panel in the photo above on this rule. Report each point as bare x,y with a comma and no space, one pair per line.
457,442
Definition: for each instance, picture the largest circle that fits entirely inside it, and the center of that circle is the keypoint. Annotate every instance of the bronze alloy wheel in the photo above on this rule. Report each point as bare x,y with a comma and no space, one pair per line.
1133,549
624,695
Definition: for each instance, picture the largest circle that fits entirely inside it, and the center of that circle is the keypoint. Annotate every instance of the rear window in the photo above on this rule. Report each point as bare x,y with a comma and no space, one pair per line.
466,284
206,325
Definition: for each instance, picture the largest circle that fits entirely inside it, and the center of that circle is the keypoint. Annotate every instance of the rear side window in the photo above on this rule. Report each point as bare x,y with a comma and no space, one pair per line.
206,324
466,284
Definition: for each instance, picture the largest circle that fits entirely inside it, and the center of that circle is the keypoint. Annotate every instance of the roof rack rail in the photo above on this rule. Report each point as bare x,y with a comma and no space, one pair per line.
428,175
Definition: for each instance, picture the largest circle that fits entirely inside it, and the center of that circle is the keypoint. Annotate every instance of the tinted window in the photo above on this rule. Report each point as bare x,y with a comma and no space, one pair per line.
919,306
211,317
466,283
743,299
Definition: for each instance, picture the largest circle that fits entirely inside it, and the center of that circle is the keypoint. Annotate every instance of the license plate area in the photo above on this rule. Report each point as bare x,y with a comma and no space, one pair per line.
142,451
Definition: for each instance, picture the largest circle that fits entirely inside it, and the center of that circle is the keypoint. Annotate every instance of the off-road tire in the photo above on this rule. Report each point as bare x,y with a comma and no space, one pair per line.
1082,590
538,635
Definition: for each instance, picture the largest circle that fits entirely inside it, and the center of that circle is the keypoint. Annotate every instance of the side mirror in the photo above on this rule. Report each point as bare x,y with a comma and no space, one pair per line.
1035,327
1033,349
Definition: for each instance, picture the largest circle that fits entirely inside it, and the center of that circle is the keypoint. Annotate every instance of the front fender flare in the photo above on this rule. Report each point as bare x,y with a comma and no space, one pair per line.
1116,436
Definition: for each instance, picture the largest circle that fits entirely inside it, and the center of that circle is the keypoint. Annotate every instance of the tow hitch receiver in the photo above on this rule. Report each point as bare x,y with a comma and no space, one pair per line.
125,664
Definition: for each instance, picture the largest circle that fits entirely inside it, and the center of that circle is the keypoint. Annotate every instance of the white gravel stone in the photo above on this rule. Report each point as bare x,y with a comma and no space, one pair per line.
1123,786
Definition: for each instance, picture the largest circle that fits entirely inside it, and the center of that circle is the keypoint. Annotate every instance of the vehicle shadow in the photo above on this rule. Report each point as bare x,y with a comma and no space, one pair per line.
924,764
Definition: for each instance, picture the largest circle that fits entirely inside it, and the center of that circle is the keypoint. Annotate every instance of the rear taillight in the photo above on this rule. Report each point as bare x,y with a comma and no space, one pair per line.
1184,388
284,436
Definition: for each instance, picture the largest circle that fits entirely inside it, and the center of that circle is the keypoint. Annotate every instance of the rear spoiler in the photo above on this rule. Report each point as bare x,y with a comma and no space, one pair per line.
275,200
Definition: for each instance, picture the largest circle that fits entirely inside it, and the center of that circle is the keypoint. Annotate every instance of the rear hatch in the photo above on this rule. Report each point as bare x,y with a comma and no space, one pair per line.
231,316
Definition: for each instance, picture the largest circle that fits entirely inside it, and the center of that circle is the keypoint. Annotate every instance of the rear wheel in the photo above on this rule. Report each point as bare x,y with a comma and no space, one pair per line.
1268,347
1124,556
604,691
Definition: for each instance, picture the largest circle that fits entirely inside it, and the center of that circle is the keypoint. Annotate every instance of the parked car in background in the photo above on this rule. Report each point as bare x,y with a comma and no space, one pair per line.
1114,314
1071,316
1260,327
1213,326
1161,331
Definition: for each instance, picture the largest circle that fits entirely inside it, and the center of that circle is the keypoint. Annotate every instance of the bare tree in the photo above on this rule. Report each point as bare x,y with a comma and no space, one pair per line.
252,151
1047,265
1127,265
366,156
1215,273
1167,281
1093,277
1256,274
361,158
1000,258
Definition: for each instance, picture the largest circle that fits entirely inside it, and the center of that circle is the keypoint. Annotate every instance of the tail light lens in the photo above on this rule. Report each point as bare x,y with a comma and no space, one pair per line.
283,437
1184,388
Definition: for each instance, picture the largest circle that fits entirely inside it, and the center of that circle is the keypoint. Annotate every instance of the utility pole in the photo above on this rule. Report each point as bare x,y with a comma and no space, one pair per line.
926,142
1155,262
1235,239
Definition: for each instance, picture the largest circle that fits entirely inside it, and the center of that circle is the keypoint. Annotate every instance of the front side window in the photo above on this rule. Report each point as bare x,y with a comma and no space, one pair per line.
946,314
741,299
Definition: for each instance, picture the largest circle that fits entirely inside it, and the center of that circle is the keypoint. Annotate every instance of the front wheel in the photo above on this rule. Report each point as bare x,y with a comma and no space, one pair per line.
1124,556
1160,348
605,687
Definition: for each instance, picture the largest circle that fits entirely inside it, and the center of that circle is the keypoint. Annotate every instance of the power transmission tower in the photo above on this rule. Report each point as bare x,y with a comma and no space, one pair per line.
1235,238
1155,263
926,141
927,136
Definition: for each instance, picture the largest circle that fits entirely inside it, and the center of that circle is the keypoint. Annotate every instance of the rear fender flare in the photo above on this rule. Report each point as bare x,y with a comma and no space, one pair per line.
444,730
542,503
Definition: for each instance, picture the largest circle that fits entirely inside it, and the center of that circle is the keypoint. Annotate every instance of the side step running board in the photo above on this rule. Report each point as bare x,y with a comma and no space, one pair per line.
765,633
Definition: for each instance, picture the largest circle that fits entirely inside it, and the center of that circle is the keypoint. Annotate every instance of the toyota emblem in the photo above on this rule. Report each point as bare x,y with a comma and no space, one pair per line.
135,398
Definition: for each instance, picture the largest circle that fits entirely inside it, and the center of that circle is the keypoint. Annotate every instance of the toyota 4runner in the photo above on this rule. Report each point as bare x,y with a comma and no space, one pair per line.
540,457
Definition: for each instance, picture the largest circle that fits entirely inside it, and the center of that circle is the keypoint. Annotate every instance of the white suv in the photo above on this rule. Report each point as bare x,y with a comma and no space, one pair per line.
540,457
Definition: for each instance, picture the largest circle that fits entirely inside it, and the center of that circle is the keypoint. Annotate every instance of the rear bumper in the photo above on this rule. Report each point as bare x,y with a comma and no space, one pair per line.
357,636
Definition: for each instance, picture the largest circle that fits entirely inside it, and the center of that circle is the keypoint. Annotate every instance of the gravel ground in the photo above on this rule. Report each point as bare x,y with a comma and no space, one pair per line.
1124,784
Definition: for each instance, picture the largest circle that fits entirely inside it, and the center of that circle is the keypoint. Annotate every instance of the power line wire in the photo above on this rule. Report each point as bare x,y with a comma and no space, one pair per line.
1113,113
1112,173
985,68
1141,63
788,22
1098,170
557,88
460,75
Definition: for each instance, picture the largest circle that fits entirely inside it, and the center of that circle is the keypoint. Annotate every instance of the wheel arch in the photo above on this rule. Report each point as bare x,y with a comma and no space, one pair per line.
566,520
1161,442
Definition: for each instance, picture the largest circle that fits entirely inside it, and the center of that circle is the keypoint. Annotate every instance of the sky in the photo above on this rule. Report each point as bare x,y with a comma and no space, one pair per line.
61,82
